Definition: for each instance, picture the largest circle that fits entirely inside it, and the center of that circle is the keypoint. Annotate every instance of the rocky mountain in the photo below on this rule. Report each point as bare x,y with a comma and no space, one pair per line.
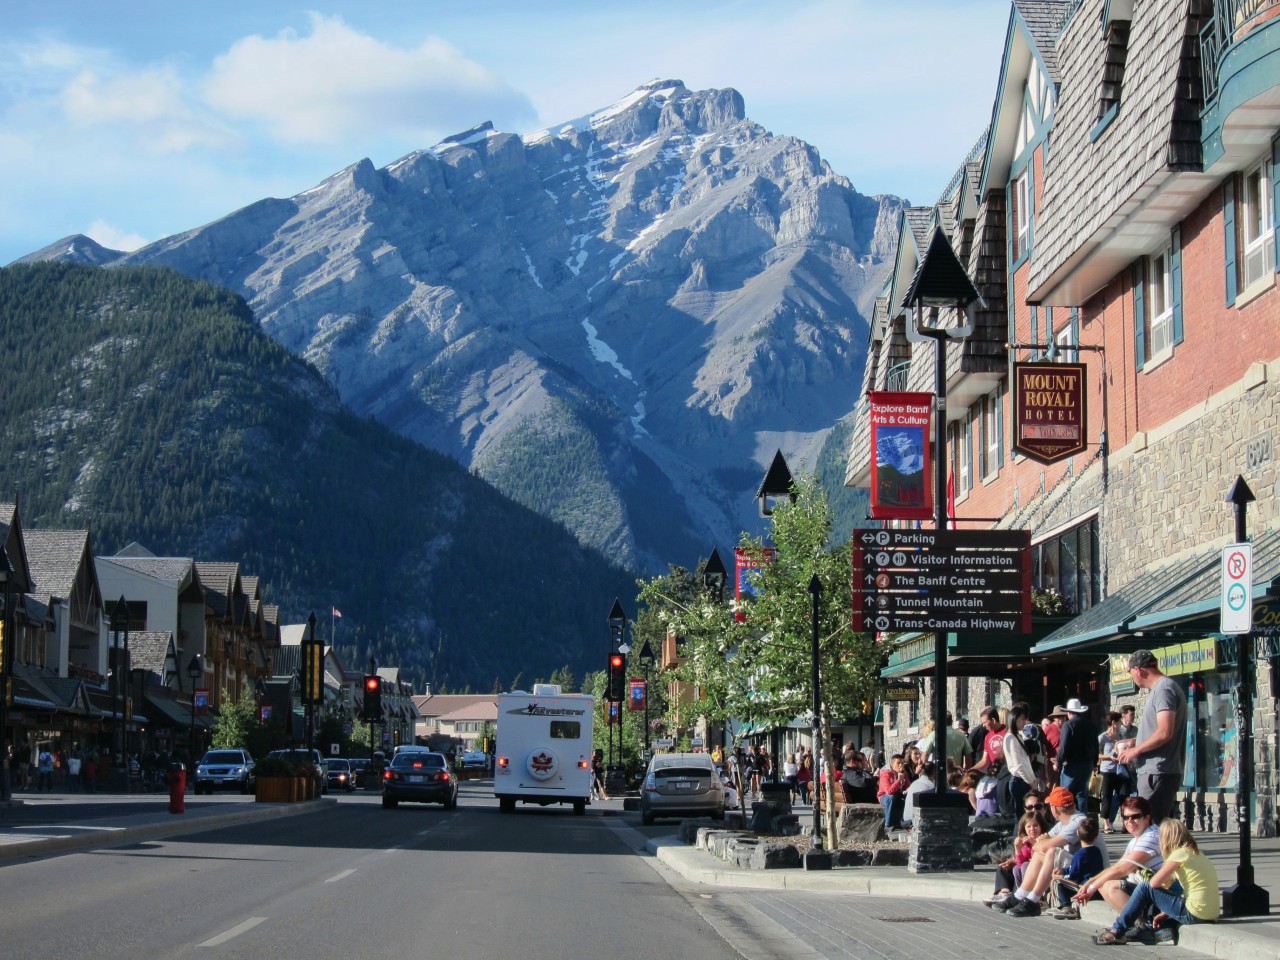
615,321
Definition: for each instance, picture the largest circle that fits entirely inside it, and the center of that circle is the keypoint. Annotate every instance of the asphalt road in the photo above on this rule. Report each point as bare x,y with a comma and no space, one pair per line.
357,880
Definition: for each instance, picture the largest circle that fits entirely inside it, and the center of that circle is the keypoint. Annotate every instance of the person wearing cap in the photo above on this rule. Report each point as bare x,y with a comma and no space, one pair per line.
1078,752
1159,752
1038,875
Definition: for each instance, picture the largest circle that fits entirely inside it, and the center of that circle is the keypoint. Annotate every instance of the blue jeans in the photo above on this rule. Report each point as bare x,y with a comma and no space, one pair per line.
1147,896
1075,777
887,802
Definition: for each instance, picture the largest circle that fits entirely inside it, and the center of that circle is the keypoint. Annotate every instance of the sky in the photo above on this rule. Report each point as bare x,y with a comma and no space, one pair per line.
134,120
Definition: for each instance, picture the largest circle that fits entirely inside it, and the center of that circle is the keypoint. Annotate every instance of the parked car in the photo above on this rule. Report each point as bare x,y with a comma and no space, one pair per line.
681,785
302,756
341,775
223,768
475,759
419,776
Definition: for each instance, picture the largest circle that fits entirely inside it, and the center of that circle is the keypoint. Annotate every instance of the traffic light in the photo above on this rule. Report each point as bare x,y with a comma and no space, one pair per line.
372,699
617,677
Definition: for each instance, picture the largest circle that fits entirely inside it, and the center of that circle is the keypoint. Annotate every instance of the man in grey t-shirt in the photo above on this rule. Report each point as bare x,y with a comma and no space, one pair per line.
1160,751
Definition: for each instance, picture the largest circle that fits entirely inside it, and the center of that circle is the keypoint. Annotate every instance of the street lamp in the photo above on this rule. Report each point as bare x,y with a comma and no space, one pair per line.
646,661
120,679
195,670
777,482
714,575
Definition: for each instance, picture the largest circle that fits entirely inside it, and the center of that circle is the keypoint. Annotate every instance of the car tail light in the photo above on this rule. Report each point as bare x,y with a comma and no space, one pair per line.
444,775
650,782
503,761
715,783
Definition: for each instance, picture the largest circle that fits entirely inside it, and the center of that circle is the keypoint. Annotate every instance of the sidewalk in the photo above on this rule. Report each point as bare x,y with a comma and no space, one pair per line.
36,838
1246,938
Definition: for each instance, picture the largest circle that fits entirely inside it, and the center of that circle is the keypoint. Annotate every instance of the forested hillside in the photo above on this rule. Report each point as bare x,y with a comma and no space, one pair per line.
148,406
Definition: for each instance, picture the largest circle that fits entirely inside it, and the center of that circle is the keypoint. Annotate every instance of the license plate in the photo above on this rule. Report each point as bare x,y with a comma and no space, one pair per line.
684,784
416,779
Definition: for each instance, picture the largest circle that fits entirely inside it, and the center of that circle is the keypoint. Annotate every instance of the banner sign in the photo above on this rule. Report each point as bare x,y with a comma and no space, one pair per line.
1050,414
611,712
900,455
746,563
636,701
201,702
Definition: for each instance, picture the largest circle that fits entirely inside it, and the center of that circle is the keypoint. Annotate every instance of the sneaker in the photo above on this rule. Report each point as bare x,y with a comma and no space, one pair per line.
1065,913
1024,908
1138,931
1001,901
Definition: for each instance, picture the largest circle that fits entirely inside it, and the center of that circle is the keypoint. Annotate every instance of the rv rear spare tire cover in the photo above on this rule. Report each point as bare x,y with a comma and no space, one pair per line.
542,763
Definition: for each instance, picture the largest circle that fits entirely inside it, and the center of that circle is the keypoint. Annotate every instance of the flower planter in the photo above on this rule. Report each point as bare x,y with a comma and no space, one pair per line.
274,790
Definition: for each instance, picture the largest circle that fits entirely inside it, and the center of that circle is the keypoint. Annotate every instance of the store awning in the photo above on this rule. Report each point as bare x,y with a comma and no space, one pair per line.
1163,599
969,654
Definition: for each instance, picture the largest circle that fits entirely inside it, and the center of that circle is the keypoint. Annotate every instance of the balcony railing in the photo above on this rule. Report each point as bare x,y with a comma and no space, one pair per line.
1231,20
895,381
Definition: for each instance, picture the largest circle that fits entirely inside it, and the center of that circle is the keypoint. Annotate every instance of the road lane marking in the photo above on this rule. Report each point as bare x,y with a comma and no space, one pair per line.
235,931
340,876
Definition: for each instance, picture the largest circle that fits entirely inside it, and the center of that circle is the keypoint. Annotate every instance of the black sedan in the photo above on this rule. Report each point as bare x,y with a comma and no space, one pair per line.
341,775
419,777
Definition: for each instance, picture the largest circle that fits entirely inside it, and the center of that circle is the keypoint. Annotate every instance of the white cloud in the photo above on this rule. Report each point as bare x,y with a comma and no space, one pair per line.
113,238
152,104
335,85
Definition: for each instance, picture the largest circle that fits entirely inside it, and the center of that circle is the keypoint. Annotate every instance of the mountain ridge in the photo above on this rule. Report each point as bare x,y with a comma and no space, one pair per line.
662,286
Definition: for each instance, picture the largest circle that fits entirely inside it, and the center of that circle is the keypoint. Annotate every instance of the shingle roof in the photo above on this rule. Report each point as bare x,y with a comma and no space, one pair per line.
148,650
54,557
1133,149
167,569
1044,20
217,578
443,704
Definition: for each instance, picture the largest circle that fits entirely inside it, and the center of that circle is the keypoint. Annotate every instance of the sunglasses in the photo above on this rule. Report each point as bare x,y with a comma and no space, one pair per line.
1034,806
1133,816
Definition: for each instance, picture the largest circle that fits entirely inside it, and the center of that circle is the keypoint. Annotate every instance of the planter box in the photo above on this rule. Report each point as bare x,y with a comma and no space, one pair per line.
276,790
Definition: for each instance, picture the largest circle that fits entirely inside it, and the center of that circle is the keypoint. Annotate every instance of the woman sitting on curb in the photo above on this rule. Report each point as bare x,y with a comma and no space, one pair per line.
1200,901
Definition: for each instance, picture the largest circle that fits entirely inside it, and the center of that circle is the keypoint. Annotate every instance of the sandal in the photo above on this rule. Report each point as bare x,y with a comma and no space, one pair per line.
1108,938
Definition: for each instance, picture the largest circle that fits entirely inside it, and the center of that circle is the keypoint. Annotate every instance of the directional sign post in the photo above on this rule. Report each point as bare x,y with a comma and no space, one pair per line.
940,580
1237,588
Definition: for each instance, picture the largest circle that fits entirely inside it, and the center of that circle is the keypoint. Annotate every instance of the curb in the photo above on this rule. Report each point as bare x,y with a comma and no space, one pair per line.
1228,941
114,836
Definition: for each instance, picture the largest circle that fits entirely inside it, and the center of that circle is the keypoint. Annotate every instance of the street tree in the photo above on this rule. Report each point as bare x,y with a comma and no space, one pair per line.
755,668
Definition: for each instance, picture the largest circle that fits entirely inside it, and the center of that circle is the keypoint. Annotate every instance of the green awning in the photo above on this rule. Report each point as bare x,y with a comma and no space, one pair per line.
1182,592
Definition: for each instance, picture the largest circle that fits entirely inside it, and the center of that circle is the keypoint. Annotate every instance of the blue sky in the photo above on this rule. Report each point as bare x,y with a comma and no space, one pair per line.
134,120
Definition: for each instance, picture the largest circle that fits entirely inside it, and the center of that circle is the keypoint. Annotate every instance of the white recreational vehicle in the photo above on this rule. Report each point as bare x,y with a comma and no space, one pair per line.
543,748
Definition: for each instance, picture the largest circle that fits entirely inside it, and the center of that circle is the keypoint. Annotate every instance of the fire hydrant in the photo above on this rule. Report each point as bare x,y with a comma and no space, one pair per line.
177,788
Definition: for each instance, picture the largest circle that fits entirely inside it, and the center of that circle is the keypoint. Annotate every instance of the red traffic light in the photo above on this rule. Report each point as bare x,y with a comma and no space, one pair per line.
615,661
372,683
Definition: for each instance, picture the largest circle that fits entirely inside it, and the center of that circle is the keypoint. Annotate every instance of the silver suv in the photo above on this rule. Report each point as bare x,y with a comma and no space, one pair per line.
224,768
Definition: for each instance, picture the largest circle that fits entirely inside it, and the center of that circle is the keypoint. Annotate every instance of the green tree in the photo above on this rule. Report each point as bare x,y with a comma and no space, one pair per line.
757,670
235,721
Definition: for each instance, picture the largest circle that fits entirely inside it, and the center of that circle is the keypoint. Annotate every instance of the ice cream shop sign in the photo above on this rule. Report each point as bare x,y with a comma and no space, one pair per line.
1050,417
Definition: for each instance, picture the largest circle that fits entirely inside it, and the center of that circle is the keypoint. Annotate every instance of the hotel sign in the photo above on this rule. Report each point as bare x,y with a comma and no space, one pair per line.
1050,416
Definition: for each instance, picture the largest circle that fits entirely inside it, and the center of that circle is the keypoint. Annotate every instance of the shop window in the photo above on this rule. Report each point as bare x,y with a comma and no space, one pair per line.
1257,227
1068,564
1211,737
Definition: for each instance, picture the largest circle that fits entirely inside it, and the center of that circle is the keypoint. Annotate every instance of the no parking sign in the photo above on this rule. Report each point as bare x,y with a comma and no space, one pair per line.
1237,588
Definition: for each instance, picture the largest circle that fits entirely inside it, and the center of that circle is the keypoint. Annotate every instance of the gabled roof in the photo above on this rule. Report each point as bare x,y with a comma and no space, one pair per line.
55,557
11,537
220,581
175,570
480,710
149,650
444,704
1112,194
1044,20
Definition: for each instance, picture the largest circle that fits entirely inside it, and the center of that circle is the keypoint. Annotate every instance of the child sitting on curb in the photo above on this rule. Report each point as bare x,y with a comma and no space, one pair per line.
1085,864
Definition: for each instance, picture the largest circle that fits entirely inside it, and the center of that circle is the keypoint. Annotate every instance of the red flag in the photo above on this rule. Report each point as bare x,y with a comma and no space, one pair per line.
337,613
951,500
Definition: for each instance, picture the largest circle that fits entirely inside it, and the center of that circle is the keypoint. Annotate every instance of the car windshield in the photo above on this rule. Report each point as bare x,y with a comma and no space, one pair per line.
411,760
223,756
338,765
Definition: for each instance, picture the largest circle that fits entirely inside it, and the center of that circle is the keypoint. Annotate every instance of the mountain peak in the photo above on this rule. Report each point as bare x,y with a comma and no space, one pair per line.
76,248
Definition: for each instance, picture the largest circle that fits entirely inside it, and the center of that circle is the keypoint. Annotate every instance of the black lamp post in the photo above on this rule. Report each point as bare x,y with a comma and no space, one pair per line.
777,482
6,641
1245,898
195,670
714,575
120,679
646,661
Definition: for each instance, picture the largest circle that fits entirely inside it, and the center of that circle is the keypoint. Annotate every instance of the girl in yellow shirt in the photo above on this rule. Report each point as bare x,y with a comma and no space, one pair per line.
1198,902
